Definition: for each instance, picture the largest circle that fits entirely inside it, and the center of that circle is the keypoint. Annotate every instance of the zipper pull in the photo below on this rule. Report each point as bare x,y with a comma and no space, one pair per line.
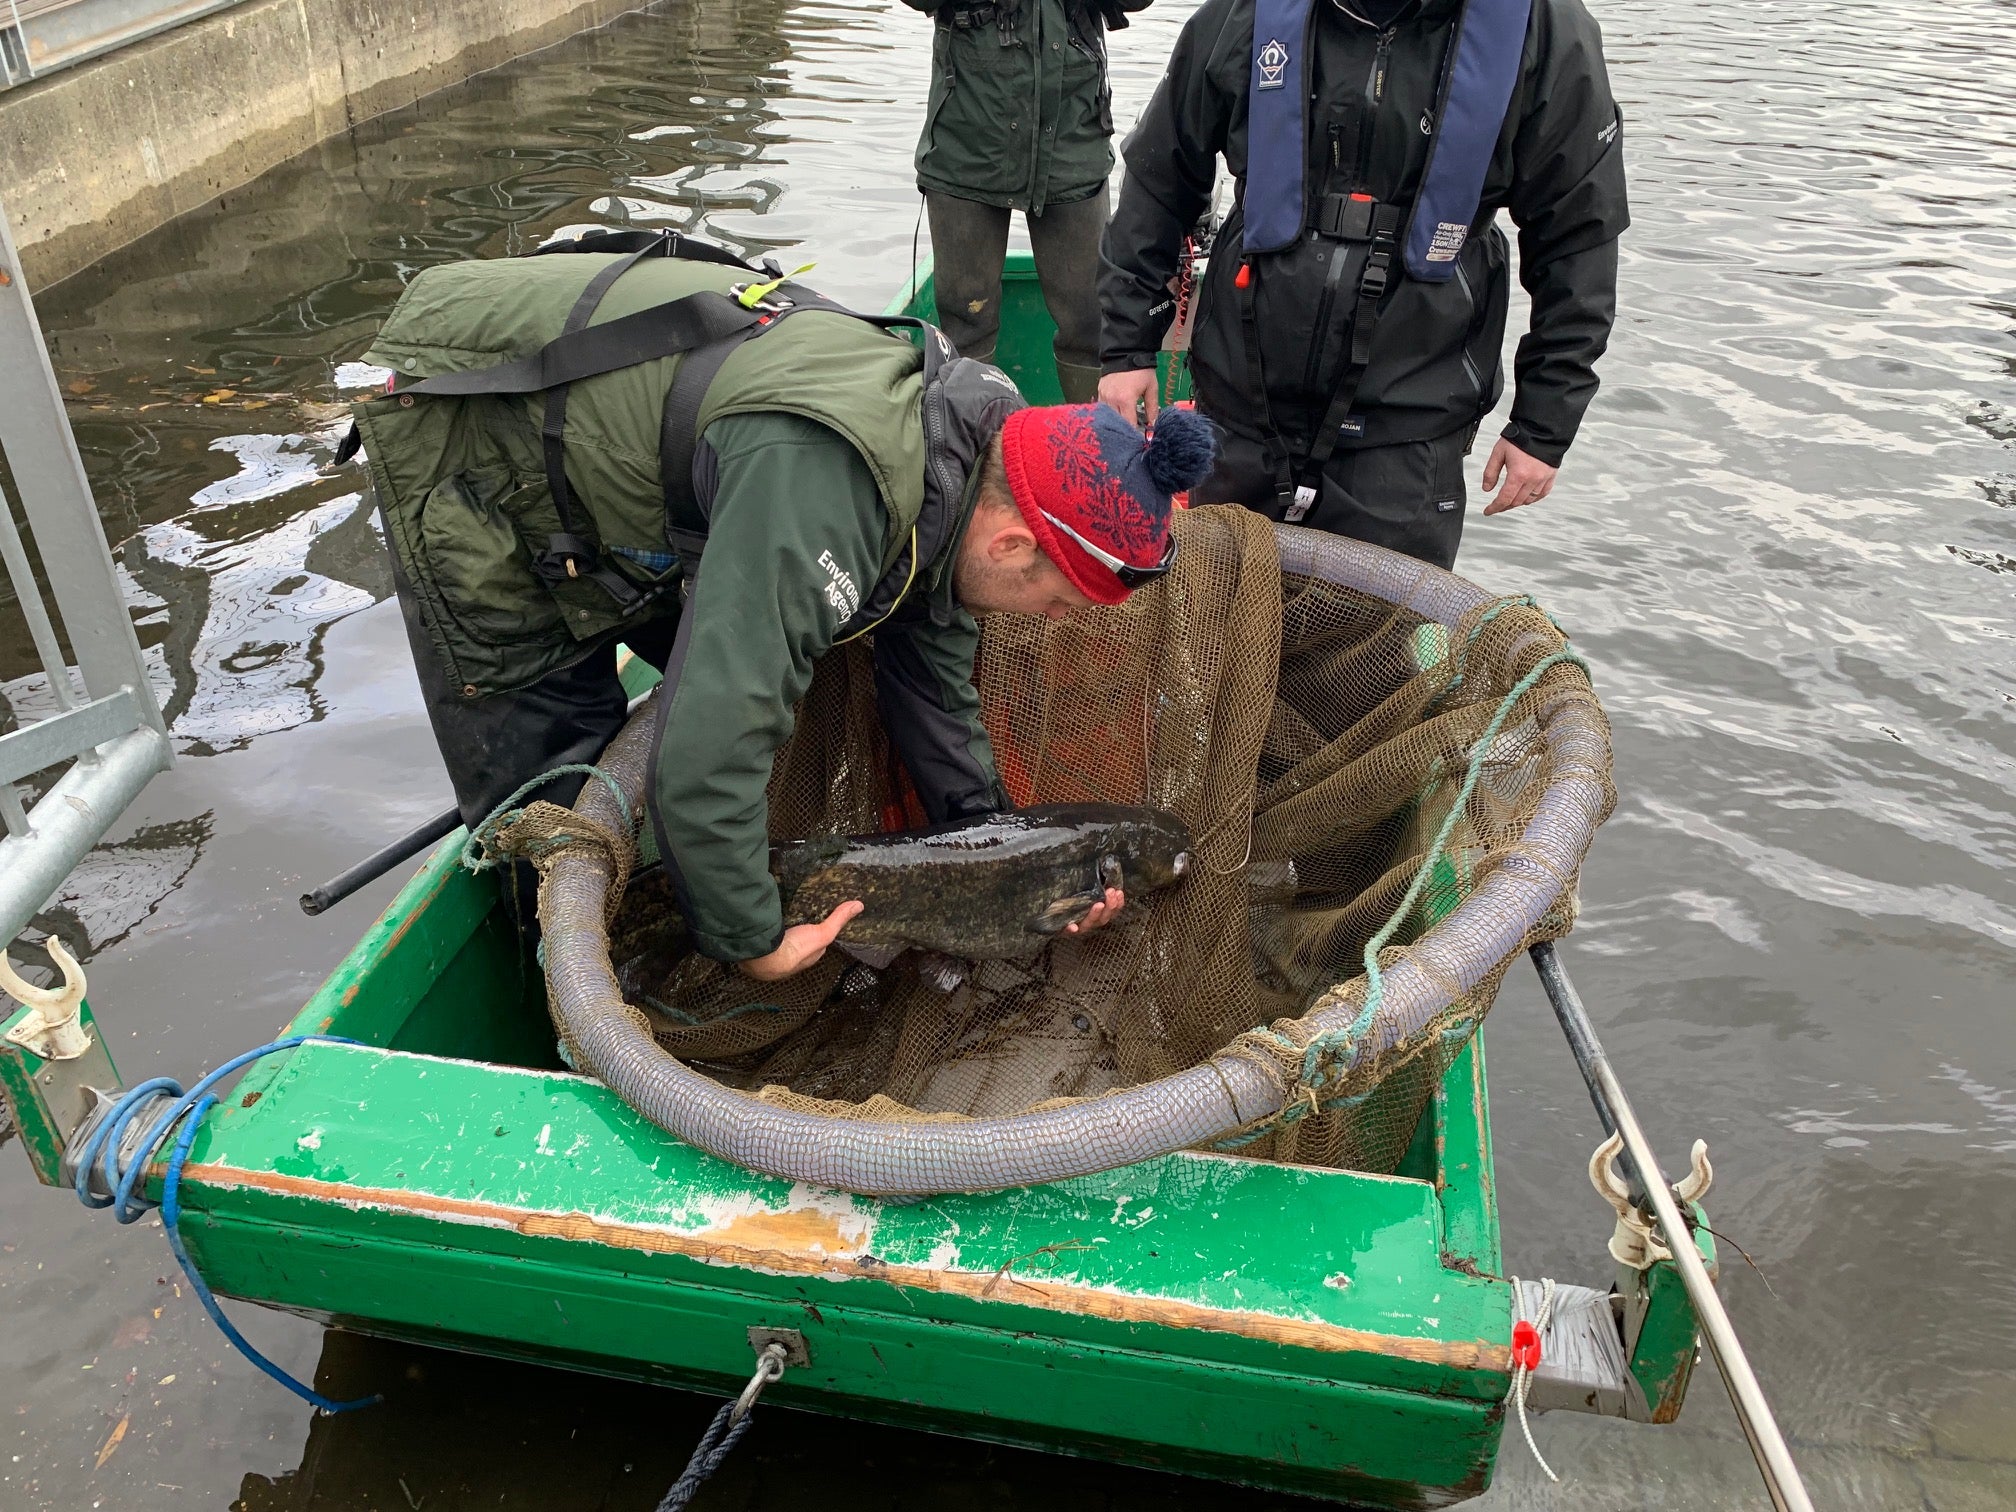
1336,152
1379,66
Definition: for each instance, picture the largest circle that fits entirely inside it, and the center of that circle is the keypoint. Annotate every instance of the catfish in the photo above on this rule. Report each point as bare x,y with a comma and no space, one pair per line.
995,887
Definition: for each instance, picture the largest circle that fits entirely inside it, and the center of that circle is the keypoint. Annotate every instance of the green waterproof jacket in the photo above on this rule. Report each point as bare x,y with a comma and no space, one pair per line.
1021,110
822,525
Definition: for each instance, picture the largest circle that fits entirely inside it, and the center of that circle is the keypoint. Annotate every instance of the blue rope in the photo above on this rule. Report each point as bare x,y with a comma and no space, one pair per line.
129,1203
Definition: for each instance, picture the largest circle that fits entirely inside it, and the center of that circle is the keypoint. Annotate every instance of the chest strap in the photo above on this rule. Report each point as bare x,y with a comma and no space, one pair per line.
1377,228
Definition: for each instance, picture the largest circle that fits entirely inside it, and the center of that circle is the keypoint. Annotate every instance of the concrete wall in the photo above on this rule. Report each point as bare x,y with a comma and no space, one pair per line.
96,156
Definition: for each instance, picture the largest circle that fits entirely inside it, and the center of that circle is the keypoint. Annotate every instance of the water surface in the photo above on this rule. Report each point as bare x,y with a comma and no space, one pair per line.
1786,540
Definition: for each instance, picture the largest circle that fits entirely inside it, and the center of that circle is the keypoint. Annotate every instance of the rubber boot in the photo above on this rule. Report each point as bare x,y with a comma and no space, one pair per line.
1080,384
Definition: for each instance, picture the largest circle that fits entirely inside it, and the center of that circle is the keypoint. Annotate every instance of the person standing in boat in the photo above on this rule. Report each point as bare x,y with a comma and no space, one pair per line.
648,441
1354,308
1020,117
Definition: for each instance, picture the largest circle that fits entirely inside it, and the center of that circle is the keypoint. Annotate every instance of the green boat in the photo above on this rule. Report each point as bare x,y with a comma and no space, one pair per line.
445,1179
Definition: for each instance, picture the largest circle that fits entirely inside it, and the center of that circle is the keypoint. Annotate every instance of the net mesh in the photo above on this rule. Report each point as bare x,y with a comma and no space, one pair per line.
1319,741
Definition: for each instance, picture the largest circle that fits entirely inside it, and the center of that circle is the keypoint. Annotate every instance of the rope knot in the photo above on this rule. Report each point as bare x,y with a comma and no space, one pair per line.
541,833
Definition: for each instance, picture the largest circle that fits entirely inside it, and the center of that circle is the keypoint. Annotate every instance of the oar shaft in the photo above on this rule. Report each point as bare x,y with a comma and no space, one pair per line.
1767,1444
374,866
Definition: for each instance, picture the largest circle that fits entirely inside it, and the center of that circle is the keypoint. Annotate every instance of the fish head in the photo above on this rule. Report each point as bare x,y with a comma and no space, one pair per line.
1151,850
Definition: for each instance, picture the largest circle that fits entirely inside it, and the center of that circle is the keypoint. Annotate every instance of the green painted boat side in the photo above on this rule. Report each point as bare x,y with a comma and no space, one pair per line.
25,1088
1668,1345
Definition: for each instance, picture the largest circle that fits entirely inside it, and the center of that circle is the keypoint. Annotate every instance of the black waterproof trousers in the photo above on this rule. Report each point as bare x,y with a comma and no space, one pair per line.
969,246
1408,497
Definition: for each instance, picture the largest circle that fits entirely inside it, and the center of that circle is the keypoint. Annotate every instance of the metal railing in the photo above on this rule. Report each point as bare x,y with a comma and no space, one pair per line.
38,37
110,731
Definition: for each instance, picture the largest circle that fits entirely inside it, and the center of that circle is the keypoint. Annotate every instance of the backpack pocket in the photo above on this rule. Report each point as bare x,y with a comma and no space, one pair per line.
476,557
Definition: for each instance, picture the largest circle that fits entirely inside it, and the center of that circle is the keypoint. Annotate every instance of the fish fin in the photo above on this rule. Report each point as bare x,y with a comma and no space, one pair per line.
1065,912
875,957
940,972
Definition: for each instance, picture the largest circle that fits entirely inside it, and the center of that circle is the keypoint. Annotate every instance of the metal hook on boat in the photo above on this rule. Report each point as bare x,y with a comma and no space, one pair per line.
53,1028
1635,1242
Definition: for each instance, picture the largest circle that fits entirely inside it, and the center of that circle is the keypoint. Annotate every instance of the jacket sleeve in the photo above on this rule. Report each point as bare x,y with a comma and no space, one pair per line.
924,686
795,541
1568,200
1171,158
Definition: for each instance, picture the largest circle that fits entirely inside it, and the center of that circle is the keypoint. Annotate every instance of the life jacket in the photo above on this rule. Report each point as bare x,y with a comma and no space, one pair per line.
1480,70
1479,73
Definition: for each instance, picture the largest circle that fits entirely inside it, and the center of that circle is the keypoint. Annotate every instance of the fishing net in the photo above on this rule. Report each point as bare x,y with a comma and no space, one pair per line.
1359,744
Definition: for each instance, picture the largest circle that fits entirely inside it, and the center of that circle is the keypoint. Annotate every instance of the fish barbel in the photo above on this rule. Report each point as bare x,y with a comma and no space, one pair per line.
997,887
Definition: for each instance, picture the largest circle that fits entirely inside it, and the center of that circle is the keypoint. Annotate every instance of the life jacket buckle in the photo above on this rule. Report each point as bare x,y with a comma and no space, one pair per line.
1347,217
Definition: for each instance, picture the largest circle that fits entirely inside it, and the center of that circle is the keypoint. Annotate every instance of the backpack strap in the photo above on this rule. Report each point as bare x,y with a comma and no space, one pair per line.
584,351
573,550
686,521
651,244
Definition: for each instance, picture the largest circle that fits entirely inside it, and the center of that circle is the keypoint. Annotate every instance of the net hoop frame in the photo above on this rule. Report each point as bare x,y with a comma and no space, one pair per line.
1206,1102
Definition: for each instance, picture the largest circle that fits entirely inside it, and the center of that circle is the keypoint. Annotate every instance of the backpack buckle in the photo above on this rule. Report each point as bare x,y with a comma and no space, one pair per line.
566,556
761,296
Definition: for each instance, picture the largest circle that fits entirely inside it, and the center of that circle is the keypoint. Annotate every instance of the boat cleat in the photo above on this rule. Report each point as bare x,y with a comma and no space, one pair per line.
55,1071
51,1029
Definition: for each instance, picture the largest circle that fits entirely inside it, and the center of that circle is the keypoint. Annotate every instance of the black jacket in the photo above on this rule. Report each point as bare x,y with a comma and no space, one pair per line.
1435,368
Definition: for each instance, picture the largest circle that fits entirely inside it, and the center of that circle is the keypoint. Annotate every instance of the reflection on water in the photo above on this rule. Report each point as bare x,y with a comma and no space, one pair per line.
461,1432
1785,541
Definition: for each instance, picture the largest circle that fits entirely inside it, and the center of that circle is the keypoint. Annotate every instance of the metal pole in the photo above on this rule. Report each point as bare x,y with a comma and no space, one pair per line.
40,631
1767,1444
63,518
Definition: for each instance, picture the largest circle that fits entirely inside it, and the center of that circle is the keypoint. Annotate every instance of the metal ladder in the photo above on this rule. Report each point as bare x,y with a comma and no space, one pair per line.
109,732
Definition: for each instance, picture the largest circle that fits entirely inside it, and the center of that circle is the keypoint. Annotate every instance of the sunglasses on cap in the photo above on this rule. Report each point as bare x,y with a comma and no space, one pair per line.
1130,576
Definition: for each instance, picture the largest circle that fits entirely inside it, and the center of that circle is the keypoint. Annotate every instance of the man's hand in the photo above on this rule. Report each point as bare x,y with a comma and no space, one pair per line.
1527,479
1099,913
803,945
1128,392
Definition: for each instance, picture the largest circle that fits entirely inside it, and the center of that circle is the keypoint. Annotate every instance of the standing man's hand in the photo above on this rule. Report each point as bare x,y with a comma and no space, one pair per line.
802,945
1528,480
1129,393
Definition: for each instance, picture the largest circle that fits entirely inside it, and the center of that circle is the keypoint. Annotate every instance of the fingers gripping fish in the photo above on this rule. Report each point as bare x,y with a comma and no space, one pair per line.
997,887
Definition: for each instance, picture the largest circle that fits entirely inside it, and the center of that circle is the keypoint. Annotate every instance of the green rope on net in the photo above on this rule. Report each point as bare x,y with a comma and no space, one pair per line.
477,855
1327,1055
681,1016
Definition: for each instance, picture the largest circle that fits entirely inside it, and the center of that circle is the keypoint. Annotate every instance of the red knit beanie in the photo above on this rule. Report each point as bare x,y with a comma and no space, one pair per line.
1082,466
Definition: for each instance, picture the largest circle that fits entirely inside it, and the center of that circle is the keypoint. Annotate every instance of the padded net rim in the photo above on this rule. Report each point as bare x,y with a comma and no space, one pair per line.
1191,1107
